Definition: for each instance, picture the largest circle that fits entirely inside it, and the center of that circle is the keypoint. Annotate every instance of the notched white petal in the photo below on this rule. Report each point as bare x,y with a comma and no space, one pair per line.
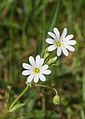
59,51
69,37
71,42
26,66
38,59
49,41
65,51
56,31
64,33
42,77
41,61
70,48
31,60
52,35
30,78
47,71
36,79
51,48
44,67
25,72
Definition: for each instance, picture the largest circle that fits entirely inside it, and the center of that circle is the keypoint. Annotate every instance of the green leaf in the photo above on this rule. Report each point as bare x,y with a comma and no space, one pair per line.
17,106
39,114
53,16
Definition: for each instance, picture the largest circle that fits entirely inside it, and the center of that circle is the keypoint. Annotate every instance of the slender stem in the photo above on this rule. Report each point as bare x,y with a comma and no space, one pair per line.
26,88
21,94
83,87
83,95
48,87
43,104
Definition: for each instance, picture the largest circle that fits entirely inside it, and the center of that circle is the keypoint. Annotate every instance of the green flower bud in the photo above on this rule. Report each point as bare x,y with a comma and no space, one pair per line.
56,100
52,60
46,54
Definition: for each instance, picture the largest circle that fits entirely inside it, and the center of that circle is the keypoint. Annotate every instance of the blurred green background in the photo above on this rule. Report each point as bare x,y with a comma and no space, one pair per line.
23,28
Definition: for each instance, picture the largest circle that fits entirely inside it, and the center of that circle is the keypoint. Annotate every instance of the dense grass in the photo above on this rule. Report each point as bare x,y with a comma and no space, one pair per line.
23,28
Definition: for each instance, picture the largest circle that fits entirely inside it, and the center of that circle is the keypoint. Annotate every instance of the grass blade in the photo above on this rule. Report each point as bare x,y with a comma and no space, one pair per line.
53,16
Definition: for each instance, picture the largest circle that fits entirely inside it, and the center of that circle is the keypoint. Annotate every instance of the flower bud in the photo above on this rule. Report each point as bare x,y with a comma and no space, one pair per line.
52,60
56,99
46,54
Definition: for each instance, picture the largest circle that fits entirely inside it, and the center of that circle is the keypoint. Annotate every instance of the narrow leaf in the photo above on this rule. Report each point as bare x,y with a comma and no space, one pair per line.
17,106
53,16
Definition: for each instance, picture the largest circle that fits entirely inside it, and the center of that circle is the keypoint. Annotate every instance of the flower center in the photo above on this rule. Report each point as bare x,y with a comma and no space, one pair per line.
36,70
58,44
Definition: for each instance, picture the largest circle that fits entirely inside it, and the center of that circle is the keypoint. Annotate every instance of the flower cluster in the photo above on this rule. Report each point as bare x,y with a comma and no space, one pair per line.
37,67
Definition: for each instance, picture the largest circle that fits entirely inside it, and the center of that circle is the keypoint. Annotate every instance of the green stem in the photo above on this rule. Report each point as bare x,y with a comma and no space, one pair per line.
84,87
48,87
25,90
21,94
83,95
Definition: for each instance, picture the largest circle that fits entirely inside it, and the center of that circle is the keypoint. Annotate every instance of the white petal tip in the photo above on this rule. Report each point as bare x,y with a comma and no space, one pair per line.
23,64
73,50
28,81
48,33
55,28
65,28
72,35
66,54
23,73
58,55
35,81
75,42
49,72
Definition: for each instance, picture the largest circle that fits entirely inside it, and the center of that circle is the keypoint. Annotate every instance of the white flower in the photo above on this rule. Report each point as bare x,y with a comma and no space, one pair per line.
35,69
61,43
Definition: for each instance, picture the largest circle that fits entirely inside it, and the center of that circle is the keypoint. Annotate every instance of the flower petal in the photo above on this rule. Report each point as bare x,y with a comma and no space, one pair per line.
49,41
26,72
41,61
70,48
69,37
30,78
46,72
42,77
58,51
26,66
65,51
31,60
44,67
38,59
36,79
56,31
52,35
71,42
64,33
51,48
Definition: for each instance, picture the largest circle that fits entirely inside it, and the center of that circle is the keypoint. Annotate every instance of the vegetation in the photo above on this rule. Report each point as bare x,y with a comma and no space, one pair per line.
23,28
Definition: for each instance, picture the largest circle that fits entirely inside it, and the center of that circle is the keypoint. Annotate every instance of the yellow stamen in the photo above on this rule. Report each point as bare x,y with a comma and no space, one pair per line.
58,44
36,70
